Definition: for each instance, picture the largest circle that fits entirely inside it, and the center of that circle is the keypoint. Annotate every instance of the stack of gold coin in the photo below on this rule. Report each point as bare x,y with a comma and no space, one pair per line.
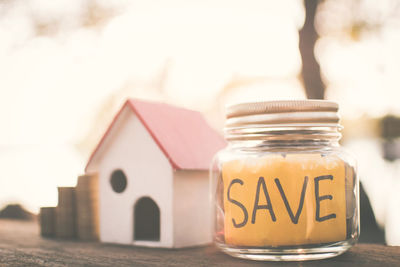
87,195
66,213
47,221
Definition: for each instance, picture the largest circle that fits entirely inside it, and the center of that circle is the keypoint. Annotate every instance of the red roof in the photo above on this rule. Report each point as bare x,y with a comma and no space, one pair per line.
183,135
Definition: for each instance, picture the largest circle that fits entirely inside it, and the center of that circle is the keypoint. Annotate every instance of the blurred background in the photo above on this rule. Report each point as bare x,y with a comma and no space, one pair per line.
66,67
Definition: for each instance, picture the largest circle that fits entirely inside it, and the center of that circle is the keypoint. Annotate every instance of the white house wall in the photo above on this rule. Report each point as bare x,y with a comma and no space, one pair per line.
192,211
131,148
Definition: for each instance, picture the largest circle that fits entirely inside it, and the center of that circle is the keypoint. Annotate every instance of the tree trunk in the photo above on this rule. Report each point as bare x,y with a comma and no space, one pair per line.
310,72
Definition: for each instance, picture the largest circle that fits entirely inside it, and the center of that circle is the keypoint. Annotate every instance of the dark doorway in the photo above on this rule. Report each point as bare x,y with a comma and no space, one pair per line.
147,220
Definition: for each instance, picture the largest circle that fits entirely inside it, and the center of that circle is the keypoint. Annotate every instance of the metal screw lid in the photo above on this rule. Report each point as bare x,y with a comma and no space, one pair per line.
283,112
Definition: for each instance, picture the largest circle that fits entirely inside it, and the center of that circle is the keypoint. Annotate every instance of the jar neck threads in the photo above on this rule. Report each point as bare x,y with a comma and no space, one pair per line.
285,135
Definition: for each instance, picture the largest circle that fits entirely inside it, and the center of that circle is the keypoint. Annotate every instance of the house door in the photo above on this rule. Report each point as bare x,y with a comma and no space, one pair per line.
146,220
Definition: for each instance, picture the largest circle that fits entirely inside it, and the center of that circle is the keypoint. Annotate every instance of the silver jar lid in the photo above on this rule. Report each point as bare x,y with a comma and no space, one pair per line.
315,112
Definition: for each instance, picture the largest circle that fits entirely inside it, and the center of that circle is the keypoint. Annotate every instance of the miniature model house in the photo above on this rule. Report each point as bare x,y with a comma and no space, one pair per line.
153,165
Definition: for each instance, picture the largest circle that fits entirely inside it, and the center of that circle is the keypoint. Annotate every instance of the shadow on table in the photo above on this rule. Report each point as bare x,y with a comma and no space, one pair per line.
370,231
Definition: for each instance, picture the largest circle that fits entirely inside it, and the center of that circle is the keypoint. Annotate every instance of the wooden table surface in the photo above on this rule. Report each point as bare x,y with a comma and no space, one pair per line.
21,245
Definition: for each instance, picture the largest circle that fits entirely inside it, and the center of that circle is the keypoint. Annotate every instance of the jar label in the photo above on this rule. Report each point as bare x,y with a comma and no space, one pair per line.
284,200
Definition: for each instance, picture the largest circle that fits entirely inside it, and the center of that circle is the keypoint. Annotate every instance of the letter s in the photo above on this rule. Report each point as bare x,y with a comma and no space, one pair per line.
240,205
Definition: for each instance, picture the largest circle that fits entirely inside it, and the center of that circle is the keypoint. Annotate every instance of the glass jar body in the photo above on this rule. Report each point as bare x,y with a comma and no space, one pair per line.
285,200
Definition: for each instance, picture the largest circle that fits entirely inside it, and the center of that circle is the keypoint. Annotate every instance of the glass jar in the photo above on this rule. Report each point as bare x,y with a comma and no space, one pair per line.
283,188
